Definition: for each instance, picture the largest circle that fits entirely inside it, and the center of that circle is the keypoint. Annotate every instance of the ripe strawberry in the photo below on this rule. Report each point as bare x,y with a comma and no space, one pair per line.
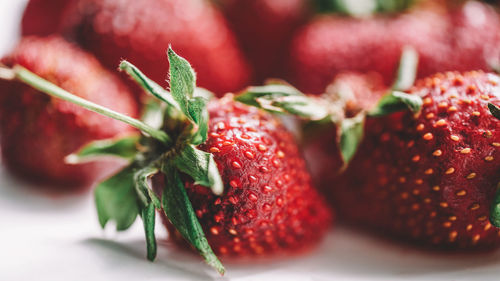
224,168
430,177
269,205
43,17
460,38
37,132
265,28
141,31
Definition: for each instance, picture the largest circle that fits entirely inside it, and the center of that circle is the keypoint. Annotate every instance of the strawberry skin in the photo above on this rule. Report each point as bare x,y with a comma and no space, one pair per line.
141,31
269,205
265,28
430,178
37,132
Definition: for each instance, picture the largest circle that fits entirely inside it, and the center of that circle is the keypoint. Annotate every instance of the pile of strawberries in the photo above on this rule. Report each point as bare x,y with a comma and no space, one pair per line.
415,161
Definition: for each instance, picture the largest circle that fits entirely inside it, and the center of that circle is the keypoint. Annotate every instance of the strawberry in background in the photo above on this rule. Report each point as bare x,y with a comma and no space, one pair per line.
264,29
43,17
38,132
141,31
447,37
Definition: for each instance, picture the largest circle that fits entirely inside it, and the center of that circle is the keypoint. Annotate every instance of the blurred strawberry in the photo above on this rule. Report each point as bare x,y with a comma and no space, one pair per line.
264,29
332,44
459,37
43,17
141,31
38,132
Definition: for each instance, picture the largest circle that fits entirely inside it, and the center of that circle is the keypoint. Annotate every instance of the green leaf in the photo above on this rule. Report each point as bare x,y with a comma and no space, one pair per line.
182,87
200,166
495,110
153,113
199,113
182,80
351,135
347,7
284,99
396,101
407,70
180,212
144,192
125,147
148,219
495,208
148,84
116,200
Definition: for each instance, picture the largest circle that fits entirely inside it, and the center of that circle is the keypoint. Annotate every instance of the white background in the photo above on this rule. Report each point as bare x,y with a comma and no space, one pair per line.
46,237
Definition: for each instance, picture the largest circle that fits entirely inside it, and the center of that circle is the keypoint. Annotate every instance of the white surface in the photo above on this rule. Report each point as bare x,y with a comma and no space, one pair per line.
47,238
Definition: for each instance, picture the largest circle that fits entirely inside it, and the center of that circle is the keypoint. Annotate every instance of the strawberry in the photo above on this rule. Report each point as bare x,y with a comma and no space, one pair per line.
265,28
141,31
219,167
430,176
43,17
269,205
459,38
38,132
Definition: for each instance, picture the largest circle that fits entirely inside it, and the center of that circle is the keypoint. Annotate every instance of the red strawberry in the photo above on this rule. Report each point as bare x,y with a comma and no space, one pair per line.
430,177
221,168
141,32
43,17
269,205
462,38
37,132
264,29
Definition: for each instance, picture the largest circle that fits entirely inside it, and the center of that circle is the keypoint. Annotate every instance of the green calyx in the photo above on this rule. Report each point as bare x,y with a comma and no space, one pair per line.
173,124
332,106
363,8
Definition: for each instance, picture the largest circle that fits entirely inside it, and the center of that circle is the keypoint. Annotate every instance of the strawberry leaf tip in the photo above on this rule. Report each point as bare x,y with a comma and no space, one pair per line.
351,134
116,200
407,70
495,208
180,213
201,167
495,110
284,99
396,101
125,147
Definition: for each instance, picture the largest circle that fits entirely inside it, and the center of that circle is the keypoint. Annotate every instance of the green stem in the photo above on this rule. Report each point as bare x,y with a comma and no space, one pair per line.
47,87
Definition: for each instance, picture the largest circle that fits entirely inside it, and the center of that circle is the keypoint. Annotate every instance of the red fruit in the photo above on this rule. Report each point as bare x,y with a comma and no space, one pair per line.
269,205
430,178
37,132
43,17
462,38
265,28
141,32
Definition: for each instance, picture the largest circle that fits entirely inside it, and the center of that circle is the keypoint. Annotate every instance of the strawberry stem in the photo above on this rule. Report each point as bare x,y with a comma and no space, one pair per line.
49,88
